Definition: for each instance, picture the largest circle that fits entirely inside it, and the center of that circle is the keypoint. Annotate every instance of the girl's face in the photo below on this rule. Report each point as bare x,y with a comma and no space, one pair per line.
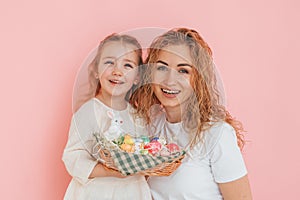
118,69
171,76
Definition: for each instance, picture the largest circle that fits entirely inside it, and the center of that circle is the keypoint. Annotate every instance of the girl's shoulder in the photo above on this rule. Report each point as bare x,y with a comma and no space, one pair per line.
90,106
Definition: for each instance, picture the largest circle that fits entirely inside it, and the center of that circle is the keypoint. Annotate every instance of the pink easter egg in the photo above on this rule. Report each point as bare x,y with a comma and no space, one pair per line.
173,148
153,147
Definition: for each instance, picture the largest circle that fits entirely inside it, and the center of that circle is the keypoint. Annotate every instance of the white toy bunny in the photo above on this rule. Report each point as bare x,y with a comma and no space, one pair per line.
115,130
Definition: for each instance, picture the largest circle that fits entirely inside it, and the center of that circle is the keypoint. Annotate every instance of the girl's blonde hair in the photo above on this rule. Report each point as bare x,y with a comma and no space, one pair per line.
94,83
204,105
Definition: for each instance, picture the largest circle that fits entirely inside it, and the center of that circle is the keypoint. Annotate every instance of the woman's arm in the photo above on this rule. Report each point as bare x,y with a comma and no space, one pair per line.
236,190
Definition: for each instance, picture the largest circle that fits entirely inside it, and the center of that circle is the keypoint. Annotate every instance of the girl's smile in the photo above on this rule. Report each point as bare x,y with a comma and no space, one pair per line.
117,72
116,82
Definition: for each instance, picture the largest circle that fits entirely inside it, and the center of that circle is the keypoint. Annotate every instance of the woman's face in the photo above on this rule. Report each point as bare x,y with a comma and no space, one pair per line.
171,76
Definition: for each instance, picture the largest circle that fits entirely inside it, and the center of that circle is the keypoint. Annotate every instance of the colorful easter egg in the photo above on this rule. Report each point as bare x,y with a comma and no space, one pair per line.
153,147
145,139
128,139
173,148
144,151
127,147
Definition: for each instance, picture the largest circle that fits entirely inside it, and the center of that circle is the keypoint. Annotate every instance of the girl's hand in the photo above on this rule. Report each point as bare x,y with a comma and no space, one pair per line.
114,173
101,171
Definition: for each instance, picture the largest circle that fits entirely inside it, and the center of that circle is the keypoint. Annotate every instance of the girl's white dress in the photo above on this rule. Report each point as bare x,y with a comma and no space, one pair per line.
215,160
79,161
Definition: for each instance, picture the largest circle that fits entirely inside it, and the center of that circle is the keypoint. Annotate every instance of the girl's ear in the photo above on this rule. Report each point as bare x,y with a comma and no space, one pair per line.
96,75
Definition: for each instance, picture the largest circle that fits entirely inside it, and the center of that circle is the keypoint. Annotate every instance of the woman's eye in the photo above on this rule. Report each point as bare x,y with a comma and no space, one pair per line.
184,71
128,66
162,68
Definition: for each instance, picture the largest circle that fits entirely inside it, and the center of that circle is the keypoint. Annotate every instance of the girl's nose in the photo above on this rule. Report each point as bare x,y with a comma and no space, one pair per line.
117,71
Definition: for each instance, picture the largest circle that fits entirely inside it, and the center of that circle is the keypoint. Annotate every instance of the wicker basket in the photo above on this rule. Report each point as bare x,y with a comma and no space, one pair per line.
105,155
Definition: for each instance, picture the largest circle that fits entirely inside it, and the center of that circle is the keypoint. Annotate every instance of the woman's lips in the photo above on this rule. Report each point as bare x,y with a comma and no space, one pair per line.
170,93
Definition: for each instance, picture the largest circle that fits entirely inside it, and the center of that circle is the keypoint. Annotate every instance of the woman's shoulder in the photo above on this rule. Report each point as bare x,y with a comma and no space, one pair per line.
215,135
220,127
217,130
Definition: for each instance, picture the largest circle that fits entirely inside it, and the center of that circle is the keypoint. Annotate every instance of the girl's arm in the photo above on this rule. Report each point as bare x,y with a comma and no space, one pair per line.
236,190
78,161
100,171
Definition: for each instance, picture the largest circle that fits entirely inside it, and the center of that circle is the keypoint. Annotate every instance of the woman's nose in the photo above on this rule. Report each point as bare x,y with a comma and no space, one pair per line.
171,77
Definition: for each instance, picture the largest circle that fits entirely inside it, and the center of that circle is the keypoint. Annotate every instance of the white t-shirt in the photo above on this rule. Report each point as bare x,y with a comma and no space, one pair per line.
215,160
92,117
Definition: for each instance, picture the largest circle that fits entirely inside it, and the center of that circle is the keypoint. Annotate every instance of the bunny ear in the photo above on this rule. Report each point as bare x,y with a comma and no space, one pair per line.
110,114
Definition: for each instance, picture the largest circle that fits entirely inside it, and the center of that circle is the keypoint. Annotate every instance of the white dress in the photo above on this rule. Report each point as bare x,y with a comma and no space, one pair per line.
215,160
92,117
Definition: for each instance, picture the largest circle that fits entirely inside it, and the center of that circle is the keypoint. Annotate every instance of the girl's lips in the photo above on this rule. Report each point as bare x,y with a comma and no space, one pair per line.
115,81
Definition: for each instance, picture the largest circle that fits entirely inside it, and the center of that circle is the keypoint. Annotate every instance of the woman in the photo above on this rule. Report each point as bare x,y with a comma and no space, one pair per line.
180,78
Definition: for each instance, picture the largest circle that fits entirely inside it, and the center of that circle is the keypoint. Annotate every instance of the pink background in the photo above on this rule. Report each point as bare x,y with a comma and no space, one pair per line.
43,43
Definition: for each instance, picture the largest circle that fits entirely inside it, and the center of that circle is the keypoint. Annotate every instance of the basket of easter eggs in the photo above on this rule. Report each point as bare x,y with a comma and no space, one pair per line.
149,156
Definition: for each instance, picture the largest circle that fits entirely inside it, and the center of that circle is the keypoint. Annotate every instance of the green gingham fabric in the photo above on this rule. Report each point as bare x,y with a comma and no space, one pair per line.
130,163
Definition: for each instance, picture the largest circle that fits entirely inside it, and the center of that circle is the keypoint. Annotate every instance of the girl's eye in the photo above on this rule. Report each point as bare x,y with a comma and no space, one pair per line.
184,71
128,66
162,68
108,62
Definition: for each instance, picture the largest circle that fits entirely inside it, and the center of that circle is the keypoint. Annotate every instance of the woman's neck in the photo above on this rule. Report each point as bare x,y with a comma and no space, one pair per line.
116,103
173,115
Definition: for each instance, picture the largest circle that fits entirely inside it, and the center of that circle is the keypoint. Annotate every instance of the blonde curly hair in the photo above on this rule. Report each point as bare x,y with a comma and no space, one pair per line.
204,105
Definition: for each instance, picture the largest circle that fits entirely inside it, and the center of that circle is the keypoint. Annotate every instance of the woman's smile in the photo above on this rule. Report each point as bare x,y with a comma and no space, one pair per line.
171,76
170,93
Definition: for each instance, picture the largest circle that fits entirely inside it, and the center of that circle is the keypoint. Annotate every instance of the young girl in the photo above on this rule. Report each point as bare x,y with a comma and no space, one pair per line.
112,75
180,78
